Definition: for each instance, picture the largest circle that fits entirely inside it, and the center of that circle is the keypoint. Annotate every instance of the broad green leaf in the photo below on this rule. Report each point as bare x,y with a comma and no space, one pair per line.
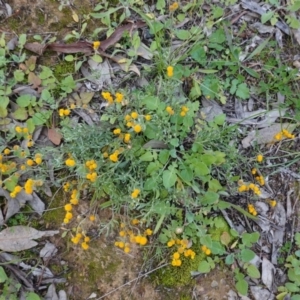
4,101
186,174
69,57
198,54
20,114
242,286
243,91
146,156
3,112
169,178
30,125
292,287
200,169
183,34
253,272
295,6
267,16
160,4
210,197
208,159
25,100
3,276
217,12
204,267
229,260
164,156
247,255
11,183
225,238
97,58
32,296
150,184
295,297
151,102
19,75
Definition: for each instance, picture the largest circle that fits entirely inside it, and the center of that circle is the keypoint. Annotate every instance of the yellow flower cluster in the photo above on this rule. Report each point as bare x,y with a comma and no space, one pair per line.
76,239
170,110
109,98
260,180
283,134
206,250
184,110
117,131
38,158
252,209
182,248
91,165
64,112
70,162
16,190
74,197
21,130
114,157
135,239
29,186
170,71
135,193
173,7
251,186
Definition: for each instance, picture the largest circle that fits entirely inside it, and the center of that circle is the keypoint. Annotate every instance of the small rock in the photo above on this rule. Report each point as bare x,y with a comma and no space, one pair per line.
214,284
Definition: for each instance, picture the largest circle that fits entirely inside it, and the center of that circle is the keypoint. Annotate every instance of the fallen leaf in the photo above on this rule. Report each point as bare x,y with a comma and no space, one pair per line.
268,271
37,204
48,251
54,136
34,80
18,238
75,17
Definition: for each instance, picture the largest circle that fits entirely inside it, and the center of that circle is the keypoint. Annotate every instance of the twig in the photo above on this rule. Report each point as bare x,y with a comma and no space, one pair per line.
127,283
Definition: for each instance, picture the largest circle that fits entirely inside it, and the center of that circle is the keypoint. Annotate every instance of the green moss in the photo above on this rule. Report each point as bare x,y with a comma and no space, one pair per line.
62,69
55,213
179,276
40,17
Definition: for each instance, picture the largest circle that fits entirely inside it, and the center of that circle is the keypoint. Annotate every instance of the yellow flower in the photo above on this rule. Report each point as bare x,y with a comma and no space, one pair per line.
135,222
108,97
68,216
117,131
119,97
68,207
242,188
170,71
84,246
75,240
70,162
105,154
278,136
29,186
74,201
259,158
67,112
171,243
66,221
137,128
207,252
129,124
126,249
182,113
127,118
173,6
92,218
148,232
176,255
184,108
114,157
87,239
96,45
253,171
25,130
272,203
134,115
143,241
6,151
72,106
135,193
122,233
38,160
121,245
148,117
169,110
18,129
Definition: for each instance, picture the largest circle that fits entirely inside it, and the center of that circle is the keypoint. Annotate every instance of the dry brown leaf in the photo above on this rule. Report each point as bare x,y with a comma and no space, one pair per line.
34,80
75,17
18,238
54,136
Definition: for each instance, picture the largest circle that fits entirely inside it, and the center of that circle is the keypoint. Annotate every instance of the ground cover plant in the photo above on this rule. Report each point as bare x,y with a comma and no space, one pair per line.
171,129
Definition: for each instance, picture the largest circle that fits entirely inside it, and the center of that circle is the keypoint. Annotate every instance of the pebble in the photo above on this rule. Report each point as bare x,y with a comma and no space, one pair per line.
214,284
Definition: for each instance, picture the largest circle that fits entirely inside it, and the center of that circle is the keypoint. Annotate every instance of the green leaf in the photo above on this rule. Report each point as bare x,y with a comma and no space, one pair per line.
158,225
169,178
247,255
30,125
25,100
19,75
198,54
151,102
11,183
186,174
69,57
3,112
229,259
242,286
259,48
4,101
243,91
146,156
210,197
253,272
251,72
204,267
295,6
164,156
295,297
292,287
3,276
20,114
207,71
150,184
183,34
97,58
217,12
225,238
266,16
32,296
200,169
160,4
